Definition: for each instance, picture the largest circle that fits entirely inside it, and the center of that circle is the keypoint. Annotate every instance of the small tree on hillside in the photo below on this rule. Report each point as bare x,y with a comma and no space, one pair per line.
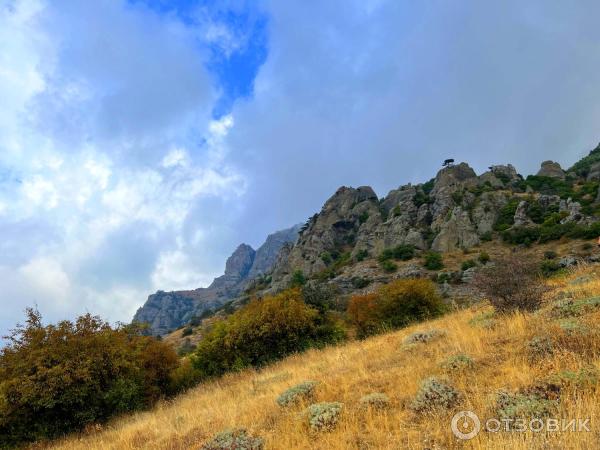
514,283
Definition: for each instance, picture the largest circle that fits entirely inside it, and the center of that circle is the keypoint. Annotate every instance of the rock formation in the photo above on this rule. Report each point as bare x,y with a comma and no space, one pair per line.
166,311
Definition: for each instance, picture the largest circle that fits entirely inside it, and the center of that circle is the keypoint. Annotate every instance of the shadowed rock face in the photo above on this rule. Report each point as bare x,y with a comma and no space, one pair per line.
166,311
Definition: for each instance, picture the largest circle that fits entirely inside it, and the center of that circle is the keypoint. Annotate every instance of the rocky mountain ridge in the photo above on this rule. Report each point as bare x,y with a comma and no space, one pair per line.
165,311
456,210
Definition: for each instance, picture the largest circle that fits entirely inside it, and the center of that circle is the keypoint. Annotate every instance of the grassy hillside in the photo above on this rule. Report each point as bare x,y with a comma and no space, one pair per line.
560,367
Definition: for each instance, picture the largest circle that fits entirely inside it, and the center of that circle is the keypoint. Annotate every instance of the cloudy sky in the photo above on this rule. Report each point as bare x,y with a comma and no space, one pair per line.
142,140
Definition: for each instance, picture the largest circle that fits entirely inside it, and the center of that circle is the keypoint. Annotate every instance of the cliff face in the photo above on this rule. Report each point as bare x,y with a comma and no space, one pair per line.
165,311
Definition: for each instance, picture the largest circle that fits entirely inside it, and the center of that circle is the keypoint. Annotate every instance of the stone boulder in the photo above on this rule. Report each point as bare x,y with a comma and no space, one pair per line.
551,169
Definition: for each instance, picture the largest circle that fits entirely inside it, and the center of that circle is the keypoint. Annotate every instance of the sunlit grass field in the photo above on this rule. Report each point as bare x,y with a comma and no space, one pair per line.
502,361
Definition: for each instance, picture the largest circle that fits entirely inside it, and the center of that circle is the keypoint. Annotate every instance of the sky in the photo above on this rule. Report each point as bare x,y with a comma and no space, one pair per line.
142,140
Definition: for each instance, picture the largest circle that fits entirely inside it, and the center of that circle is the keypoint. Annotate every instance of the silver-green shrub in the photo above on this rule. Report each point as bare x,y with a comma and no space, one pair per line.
324,416
302,391
234,439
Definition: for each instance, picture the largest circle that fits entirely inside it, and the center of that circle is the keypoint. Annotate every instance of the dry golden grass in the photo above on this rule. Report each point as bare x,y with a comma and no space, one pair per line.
382,364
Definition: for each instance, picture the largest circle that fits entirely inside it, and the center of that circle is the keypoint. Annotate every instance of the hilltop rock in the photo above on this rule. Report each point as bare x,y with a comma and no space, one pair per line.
237,267
551,169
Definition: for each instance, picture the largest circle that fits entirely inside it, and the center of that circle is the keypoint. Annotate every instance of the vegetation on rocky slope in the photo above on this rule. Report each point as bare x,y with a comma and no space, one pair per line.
506,379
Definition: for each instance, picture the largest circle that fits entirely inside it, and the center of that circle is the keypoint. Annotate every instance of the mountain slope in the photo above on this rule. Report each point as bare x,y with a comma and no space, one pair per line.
503,360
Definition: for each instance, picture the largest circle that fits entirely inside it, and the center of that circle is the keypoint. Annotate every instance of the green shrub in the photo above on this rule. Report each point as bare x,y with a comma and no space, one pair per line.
435,394
404,252
326,258
188,331
524,405
386,255
361,255
506,215
59,378
234,439
484,258
263,331
324,416
360,282
433,261
549,267
421,198
522,235
468,264
395,305
376,401
389,266
298,279
302,391
364,216
550,254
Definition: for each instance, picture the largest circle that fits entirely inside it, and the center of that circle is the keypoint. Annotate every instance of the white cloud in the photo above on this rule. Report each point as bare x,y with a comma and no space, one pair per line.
104,158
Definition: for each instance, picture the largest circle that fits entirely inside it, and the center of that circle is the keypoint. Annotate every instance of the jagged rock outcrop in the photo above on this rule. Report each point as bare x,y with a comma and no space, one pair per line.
457,232
165,311
237,267
455,210
551,169
267,254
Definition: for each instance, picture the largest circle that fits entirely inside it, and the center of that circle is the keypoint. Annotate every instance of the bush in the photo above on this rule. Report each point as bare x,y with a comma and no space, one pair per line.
524,405
409,300
361,255
389,266
188,331
468,264
394,305
235,439
522,235
433,261
299,392
324,416
59,378
435,394
263,331
360,282
404,252
484,258
506,216
550,254
298,279
376,401
549,267
514,283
